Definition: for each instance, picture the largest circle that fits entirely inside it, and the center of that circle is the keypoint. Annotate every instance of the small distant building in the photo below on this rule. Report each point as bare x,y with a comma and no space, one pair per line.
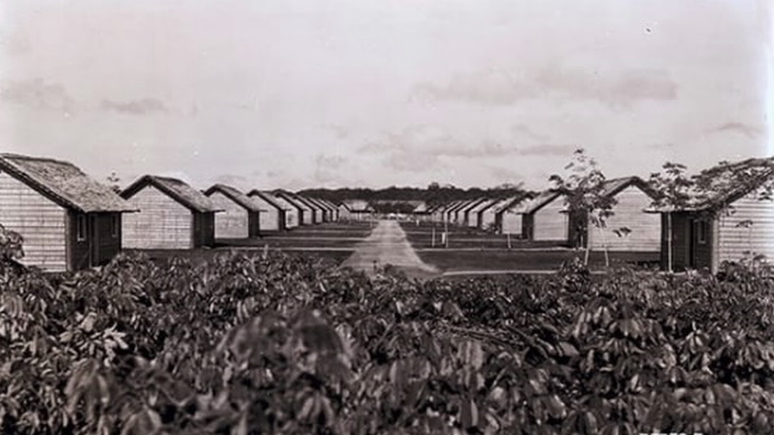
359,209
473,220
173,215
463,215
325,213
241,217
305,213
292,212
68,221
734,218
273,216
345,212
334,210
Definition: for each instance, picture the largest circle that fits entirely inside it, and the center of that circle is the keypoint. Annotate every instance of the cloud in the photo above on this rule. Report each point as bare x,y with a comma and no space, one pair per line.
15,44
521,130
491,87
622,89
737,127
38,94
135,107
329,168
501,88
547,150
339,131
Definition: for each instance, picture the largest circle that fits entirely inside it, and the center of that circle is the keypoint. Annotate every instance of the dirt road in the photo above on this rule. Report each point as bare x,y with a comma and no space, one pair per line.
387,244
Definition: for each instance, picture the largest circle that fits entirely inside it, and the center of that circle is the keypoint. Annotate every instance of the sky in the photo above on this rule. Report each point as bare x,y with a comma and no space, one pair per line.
374,93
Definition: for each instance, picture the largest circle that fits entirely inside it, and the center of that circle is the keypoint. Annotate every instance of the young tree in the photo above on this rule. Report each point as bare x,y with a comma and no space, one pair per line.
584,187
672,187
114,182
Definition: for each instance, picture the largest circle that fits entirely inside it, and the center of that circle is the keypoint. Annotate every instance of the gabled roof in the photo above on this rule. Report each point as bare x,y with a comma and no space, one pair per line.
175,189
511,202
484,205
63,183
358,205
472,204
269,198
421,208
236,196
289,197
537,202
613,186
721,185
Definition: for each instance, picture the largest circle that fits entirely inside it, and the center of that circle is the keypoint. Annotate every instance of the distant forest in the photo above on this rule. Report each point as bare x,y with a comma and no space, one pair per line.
404,199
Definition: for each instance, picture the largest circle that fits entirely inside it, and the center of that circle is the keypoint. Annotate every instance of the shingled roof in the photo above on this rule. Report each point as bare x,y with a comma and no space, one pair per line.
268,197
725,183
176,189
235,195
63,183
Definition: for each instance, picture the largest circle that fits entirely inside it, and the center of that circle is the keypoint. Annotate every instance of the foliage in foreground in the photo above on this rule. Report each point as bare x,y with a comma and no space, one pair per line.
289,345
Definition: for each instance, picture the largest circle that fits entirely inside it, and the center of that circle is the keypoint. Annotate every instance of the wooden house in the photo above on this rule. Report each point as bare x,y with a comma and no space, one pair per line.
453,213
68,221
173,215
274,217
359,209
732,218
334,210
463,214
324,212
506,215
315,214
473,214
293,216
345,212
630,228
544,218
241,216
303,211
444,214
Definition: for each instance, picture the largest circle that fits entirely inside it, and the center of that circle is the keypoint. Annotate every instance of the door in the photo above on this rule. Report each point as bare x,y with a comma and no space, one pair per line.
94,258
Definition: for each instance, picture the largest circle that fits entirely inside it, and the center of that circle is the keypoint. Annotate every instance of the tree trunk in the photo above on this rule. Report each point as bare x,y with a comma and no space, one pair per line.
604,243
669,241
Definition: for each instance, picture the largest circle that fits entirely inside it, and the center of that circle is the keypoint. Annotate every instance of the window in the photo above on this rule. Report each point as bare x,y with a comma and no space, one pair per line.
703,229
80,228
114,224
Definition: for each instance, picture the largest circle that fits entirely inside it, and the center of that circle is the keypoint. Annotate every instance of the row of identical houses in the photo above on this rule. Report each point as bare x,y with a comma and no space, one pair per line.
734,219
69,221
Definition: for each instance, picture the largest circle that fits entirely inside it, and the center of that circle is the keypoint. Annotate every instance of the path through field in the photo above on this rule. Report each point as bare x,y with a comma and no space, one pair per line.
387,244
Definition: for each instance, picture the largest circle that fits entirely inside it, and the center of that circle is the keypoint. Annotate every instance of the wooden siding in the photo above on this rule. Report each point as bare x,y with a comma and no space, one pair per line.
645,227
549,223
270,215
735,238
162,222
233,222
39,220
291,212
511,223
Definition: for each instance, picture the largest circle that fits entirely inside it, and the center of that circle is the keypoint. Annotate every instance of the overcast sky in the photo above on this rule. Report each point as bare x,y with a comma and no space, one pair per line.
334,93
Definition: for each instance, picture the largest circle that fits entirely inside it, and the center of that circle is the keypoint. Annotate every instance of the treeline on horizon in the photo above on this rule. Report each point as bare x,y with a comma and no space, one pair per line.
395,199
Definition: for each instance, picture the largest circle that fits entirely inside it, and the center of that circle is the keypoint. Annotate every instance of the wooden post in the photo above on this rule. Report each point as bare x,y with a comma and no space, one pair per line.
433,245
509,240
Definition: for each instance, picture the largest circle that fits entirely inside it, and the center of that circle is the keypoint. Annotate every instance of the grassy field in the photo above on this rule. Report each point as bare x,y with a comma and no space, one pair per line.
473,250
503,260
335,241
203,255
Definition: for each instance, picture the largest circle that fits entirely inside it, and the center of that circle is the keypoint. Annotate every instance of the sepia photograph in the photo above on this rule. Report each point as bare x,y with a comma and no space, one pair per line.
365,217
